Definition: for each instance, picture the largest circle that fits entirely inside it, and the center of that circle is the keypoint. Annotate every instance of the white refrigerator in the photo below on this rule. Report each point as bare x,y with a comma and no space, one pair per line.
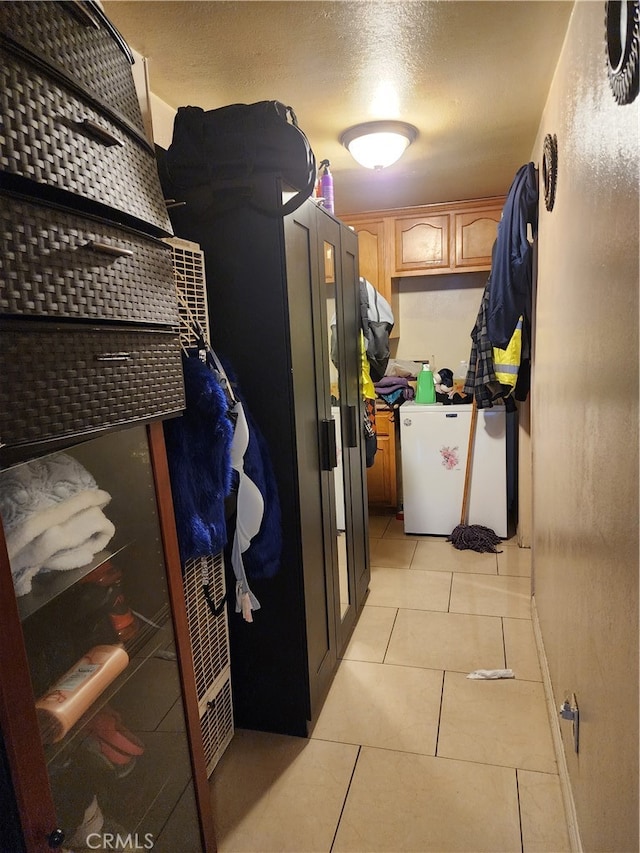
433,442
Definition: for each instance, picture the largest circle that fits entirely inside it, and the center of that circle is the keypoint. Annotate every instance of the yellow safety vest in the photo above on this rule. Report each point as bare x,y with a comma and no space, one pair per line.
368,391
506,362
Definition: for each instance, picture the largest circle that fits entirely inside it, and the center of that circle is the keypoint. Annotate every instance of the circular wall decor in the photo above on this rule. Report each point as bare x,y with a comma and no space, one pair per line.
550,169
622,40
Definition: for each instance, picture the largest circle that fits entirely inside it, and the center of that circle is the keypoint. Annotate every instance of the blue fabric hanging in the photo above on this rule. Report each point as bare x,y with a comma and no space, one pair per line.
198,445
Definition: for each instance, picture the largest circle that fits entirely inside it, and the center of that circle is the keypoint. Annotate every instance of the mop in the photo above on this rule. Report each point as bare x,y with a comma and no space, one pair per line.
472,537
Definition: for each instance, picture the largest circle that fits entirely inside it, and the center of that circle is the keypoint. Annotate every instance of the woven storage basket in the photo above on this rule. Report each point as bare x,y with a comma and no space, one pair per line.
56,263
81,47
53,137
68,379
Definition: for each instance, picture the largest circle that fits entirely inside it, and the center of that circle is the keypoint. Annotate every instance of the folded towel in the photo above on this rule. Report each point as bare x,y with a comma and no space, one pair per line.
51,510
391,383
69,545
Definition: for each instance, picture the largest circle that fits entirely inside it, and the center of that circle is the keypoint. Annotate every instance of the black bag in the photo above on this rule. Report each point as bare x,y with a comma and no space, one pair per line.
218,159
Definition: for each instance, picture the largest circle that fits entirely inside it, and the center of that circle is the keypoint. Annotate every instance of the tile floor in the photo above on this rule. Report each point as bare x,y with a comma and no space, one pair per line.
408,754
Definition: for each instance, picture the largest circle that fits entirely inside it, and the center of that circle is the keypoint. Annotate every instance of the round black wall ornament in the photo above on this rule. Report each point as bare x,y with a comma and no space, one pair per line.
550,169
622,40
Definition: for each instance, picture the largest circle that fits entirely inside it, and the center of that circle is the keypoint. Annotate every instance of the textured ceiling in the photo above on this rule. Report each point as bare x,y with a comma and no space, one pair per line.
471,76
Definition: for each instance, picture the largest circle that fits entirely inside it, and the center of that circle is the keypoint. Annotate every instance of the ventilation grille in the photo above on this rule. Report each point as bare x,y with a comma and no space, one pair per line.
208,632
217,723
190,282
207,620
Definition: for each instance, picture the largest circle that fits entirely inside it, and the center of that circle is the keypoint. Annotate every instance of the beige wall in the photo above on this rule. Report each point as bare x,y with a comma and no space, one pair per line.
437,314
585,432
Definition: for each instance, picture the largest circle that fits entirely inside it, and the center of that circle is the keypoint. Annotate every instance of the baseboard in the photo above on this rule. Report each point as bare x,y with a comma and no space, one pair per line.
558,746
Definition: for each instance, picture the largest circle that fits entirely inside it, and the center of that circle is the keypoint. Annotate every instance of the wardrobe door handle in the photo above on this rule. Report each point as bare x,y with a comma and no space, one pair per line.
106,249
92,128
328,450
113,356
352,426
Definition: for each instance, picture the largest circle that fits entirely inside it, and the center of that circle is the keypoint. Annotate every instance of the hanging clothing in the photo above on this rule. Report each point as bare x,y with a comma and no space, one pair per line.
250,510
377,323
511,263
484,380
481,373
198,446
262,555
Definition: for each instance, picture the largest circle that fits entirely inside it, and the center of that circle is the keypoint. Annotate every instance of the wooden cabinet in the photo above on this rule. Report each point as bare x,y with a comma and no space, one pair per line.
371,253
432,239
421,243
373,246
475,233
382,476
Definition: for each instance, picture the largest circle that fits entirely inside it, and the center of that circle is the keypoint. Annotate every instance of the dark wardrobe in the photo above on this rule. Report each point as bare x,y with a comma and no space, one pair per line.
275,287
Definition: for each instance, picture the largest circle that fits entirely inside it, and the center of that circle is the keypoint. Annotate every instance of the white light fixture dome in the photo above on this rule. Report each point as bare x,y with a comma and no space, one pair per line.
378,144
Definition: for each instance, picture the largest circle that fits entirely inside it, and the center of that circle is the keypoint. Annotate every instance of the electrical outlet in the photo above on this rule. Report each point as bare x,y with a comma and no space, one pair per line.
569,711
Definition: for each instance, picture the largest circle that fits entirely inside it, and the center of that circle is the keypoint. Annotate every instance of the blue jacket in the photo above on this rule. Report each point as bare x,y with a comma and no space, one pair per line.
510,291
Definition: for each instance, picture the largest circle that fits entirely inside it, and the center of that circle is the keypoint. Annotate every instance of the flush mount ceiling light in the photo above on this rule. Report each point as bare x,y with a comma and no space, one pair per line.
378,144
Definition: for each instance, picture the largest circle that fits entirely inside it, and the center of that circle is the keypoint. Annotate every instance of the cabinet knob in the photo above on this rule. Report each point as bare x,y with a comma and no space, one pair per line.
407,421
56,838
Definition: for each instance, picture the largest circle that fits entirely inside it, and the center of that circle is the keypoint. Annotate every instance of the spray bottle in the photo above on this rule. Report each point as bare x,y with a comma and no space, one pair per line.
326,183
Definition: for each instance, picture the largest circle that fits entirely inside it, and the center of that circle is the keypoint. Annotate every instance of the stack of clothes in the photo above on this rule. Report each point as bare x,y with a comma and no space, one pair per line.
394,390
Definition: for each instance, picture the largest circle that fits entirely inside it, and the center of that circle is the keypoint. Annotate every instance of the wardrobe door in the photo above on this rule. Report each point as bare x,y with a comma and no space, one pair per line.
315,445
353,416
342,424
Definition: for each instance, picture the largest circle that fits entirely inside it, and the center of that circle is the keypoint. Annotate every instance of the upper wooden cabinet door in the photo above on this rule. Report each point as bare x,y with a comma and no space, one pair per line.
371,253
476,232
421,243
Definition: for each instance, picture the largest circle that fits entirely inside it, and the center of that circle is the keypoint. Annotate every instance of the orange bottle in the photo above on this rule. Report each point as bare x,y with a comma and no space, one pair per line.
73,694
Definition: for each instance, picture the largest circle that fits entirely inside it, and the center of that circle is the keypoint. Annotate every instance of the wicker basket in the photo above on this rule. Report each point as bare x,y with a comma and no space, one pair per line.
56,263
81,47
54,138
68,379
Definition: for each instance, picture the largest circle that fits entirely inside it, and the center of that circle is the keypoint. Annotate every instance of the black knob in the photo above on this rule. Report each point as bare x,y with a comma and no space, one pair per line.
56,838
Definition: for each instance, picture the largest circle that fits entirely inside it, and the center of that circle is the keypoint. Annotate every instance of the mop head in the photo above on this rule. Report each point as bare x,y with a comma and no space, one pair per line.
475,537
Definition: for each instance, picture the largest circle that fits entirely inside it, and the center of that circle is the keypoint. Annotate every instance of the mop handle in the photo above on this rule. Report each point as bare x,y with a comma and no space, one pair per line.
467,473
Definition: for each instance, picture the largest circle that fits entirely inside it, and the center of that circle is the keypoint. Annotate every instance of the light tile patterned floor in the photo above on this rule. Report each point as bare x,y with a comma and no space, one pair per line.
408,754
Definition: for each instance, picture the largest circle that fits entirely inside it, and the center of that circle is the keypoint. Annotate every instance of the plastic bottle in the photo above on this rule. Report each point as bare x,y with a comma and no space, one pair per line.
460,377
425,390
67,700
326,182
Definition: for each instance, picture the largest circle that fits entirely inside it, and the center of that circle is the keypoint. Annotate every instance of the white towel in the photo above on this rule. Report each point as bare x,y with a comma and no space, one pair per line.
51,510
